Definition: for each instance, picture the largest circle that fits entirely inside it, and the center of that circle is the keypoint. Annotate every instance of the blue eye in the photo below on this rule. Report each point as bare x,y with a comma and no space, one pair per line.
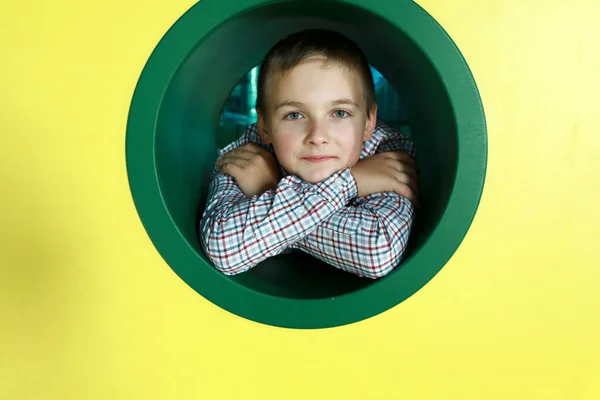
340,114
293,115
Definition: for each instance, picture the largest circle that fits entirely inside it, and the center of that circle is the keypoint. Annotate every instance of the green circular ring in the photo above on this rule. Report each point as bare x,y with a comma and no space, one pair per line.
172,51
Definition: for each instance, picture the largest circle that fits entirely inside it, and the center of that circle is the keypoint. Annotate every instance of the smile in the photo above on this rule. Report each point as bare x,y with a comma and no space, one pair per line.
318,159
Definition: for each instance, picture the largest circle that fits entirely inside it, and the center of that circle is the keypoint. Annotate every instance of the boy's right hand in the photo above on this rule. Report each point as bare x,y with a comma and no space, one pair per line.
253,168
392,171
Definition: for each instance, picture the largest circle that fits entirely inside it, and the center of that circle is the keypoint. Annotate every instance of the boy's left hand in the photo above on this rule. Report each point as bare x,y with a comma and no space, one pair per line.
253,168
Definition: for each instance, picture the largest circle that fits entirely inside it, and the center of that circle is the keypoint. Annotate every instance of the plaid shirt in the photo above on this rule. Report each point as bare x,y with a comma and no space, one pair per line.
365,236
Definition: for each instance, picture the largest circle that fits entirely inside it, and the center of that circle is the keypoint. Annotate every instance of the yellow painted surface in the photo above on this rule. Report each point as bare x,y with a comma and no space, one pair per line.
89,310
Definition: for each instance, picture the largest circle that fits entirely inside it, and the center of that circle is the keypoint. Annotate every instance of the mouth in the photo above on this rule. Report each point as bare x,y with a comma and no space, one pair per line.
318,159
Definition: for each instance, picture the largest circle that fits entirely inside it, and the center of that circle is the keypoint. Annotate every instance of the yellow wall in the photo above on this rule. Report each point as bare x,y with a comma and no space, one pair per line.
89,310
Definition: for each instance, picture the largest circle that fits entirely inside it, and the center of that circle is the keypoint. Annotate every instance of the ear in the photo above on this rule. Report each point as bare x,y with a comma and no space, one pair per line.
262,129
370,124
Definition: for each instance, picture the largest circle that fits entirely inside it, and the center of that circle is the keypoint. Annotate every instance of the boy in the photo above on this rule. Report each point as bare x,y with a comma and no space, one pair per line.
318,172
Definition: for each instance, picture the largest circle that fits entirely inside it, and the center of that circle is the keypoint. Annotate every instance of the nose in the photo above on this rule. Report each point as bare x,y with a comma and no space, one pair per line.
317,133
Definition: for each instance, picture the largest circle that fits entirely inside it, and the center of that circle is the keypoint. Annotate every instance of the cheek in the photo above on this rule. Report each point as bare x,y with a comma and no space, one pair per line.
285,146
351,145
351,141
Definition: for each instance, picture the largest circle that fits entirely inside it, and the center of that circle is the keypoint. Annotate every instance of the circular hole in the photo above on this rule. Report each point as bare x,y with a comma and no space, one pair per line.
173,136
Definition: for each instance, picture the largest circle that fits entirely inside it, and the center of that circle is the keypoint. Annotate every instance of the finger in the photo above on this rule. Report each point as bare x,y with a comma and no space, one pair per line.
405,169
228,156
408,180
231,169
404,174
233,159
403,163
406,192
414,179
414,187
401,156
248,151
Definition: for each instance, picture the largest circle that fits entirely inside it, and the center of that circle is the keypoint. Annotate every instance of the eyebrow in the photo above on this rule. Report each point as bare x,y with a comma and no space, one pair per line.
333,103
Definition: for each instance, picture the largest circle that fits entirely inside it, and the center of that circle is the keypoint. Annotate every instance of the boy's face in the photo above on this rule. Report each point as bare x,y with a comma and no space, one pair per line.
316,119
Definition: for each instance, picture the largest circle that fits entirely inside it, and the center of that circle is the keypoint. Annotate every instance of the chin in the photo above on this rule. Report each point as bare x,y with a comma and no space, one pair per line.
317,177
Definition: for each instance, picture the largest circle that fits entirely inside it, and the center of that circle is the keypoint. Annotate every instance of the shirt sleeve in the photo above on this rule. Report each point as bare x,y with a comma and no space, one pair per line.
238,232
393,140
369,237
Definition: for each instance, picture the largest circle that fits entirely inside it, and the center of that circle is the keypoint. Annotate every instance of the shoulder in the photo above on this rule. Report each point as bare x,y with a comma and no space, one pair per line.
387,137
250,135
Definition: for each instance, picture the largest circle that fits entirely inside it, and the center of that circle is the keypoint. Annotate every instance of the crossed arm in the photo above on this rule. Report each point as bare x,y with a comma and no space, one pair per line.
362,233
368,239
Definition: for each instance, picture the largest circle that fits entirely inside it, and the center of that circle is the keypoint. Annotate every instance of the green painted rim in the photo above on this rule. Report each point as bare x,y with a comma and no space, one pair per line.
191,29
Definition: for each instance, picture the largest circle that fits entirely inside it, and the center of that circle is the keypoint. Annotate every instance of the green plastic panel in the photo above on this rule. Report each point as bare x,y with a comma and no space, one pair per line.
171,148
